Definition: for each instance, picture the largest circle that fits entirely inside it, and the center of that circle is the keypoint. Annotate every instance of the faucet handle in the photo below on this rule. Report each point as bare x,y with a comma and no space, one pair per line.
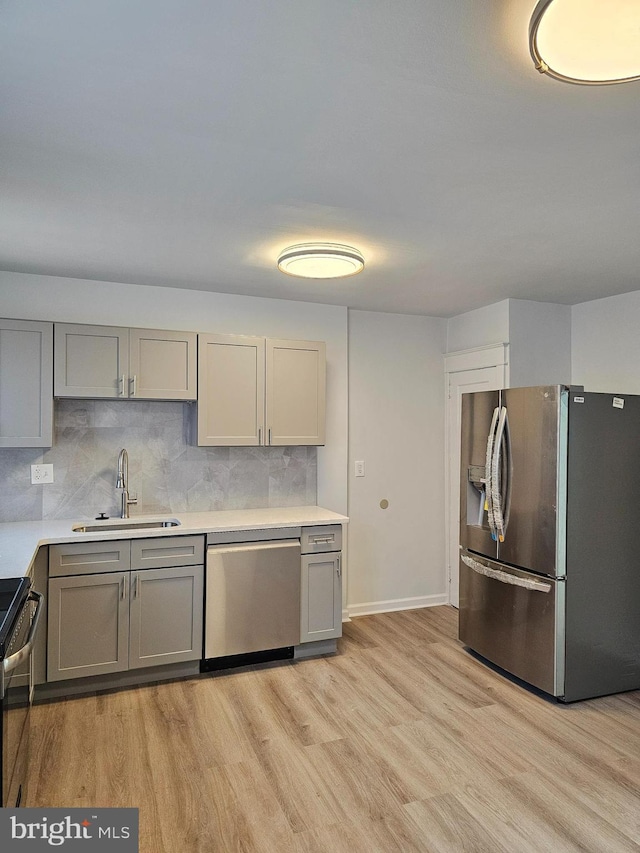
132,499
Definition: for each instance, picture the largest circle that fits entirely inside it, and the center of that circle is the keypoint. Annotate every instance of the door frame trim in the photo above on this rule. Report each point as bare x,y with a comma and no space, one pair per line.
491,355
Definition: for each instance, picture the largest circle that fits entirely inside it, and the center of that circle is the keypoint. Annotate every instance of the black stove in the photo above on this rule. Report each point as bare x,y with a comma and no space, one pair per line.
13,594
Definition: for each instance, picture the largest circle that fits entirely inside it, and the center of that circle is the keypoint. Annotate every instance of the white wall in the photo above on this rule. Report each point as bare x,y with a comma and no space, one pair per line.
479,328
538,334
606,344
36,297
396,426
539,343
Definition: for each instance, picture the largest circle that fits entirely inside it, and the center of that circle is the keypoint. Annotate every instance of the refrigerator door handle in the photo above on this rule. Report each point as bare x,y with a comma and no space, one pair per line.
505,577
488,473
500,484
496,486
506,492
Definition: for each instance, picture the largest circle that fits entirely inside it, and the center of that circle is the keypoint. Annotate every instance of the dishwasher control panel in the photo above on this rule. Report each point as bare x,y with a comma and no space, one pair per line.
231,537
316,540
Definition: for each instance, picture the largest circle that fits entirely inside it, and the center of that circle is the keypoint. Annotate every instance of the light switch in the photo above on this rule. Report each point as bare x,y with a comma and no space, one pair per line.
359,469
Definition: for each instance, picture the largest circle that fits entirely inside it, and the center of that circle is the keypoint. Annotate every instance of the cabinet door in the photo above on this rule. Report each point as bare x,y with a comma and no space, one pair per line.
91,361
295,401
162,364
230,390
26,384
88,625
166,616
321,596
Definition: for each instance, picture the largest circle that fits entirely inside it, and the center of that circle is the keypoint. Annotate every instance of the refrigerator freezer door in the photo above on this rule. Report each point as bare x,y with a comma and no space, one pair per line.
537,431
603,554
514,619
476,418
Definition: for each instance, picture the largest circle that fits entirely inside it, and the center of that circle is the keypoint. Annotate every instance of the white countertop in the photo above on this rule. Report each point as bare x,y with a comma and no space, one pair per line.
20,540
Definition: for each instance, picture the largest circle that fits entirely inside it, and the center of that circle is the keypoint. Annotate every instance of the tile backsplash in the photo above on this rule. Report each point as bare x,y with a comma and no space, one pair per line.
166,472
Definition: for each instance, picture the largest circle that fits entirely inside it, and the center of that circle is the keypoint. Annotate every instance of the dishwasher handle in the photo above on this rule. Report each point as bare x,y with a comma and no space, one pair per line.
254,546
14,660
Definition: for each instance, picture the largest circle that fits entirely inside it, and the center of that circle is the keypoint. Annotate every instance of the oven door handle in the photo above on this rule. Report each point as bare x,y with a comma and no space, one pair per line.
14,660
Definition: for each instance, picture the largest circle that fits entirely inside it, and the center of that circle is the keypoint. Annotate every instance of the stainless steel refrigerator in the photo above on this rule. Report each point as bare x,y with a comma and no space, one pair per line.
550,537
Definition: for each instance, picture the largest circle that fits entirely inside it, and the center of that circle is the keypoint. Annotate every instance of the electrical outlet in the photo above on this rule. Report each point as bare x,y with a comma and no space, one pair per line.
41,474
359,466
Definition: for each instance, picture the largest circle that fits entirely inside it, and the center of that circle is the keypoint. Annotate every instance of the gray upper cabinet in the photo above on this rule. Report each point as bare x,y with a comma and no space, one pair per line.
295,398
26,384
257,391
162,364
230,390
91,361
112,362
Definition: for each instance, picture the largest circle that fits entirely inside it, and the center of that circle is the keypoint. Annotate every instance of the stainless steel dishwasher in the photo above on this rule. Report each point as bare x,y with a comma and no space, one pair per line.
252,597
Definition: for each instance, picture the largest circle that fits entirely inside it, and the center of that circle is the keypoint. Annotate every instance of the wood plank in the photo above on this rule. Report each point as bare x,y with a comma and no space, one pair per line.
404,741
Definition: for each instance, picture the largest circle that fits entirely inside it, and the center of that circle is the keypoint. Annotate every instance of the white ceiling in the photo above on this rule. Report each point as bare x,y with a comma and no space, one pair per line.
186,142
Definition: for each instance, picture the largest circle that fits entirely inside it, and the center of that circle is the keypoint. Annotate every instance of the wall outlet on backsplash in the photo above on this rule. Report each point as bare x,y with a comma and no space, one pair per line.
41,474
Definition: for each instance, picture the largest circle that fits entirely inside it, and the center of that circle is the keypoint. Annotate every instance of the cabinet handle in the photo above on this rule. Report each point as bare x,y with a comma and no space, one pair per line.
135,586
269,435
132,382
122,588
339,567
259,435
122,382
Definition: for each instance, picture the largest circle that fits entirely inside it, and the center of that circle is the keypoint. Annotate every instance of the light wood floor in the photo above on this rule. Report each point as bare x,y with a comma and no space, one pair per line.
402,742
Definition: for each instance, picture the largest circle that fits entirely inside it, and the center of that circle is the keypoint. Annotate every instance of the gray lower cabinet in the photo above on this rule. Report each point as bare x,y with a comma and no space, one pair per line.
321,597
88,625
105,622
165,616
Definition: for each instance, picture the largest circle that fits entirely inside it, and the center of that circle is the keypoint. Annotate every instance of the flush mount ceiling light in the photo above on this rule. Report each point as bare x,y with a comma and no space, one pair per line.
593,42
320,260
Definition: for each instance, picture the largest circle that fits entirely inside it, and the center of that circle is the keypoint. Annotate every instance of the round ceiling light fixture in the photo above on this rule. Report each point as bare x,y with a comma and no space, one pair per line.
320,260
592,42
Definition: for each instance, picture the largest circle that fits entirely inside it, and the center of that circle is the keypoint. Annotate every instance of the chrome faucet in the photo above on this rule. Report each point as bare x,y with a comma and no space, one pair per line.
123,483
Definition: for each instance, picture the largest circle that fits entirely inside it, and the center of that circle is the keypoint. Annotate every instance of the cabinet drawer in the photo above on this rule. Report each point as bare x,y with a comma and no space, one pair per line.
163,551
315,540
88,558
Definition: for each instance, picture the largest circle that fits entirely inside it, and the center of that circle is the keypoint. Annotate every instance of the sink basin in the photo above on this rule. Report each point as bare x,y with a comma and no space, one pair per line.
125,524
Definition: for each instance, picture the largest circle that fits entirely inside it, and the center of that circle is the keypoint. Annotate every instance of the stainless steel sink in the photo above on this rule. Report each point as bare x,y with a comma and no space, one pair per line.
125,524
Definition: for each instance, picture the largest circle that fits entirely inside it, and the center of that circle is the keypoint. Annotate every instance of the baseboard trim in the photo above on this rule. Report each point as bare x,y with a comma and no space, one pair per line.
370,608
115,680
315,649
